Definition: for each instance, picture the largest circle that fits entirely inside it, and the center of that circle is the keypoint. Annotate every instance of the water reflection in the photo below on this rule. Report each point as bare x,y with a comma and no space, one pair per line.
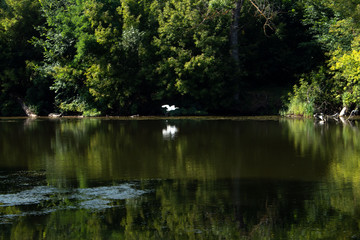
215,179
46,199
169,132
88,149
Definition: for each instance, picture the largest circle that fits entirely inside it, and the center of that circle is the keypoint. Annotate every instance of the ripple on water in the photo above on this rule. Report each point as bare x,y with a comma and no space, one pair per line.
47,199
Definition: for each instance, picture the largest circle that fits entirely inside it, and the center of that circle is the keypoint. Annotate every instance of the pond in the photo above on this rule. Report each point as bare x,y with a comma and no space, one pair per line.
179,178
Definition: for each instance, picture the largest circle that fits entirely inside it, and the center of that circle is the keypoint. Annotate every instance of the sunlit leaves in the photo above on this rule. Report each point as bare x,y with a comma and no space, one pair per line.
336,28
191,44
157,51
104,43
131,38
345,65
221,4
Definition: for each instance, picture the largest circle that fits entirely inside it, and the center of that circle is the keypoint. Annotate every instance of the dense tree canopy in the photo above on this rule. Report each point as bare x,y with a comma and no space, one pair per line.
335,84
18,20
113,57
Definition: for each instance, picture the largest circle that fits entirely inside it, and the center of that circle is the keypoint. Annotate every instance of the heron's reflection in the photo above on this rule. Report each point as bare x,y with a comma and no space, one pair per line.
169,132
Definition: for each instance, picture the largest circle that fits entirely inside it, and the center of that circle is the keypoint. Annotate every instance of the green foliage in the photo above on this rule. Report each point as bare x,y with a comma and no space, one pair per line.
114,57
17,55
345,66
336,28
9,107
192,111
127,57
191,43
301,101
314,94
94,51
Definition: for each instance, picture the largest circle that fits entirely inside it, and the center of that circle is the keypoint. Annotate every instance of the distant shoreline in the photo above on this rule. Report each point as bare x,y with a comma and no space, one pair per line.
269,117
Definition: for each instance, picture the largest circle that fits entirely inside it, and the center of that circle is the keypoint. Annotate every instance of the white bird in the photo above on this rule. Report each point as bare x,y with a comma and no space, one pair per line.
169,108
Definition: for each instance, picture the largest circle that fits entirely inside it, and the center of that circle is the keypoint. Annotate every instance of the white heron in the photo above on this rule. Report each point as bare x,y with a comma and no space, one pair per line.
169,108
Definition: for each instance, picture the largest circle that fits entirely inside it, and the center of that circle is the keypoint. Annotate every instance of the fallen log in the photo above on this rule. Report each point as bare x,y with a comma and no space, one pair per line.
55,115
343,112
26,109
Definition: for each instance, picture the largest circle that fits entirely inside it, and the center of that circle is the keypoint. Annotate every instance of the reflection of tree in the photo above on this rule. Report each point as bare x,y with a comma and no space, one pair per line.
307,137
79,224
345,171
184,209
90,149
122,150
335,210
204,191
20,144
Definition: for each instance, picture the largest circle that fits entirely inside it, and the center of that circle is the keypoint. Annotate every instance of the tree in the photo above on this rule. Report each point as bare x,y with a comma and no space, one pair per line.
344,65
99,55
263,8
192,42
130,57
335,27
17,80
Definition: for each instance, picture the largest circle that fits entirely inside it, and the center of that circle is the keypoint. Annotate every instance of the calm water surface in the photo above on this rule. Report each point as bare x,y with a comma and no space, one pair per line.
200,178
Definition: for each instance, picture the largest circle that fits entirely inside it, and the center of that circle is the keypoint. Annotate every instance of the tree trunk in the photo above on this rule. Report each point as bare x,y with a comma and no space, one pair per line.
234,41
234,31
343,112
26,109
